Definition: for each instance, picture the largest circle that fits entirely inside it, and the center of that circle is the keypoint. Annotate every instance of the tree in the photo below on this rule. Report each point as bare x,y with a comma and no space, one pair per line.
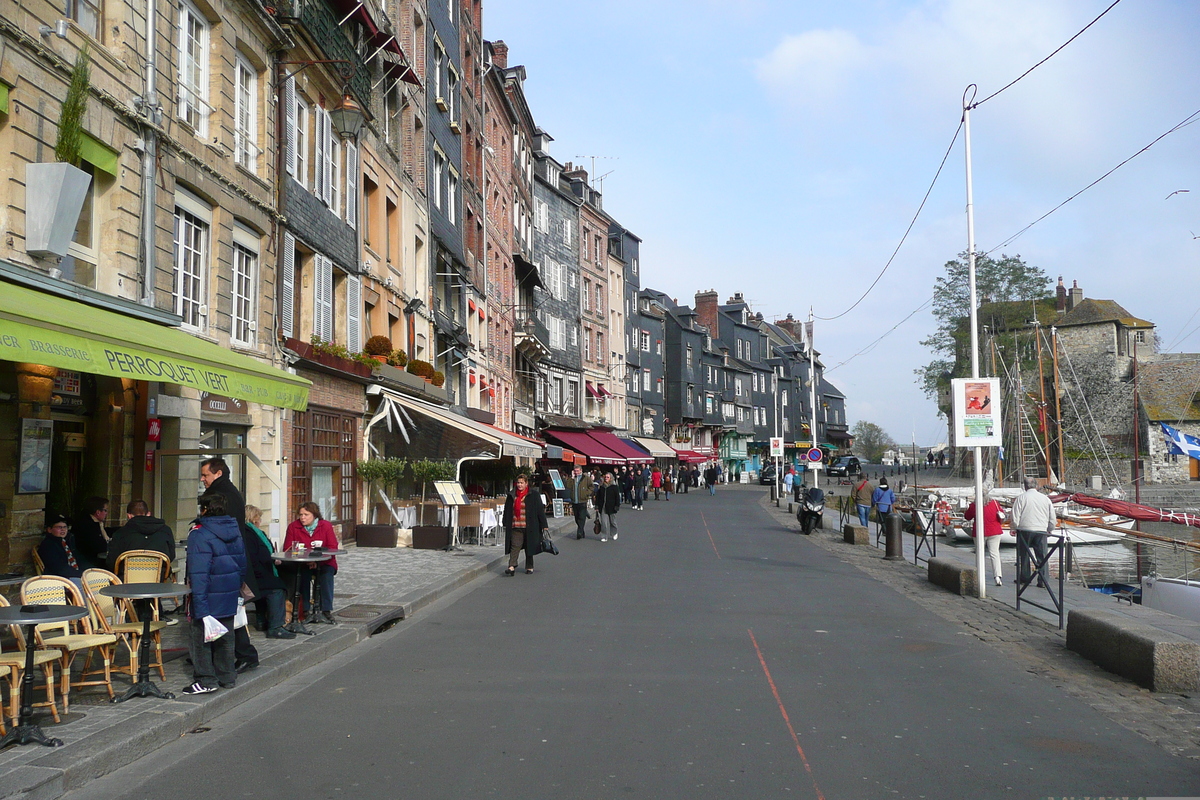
997,280
870,440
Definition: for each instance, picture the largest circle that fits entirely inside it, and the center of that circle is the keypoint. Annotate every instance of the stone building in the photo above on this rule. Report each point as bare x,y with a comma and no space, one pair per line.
1169,392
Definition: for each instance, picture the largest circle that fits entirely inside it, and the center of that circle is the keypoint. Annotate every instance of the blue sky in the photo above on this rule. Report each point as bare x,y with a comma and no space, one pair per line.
780,149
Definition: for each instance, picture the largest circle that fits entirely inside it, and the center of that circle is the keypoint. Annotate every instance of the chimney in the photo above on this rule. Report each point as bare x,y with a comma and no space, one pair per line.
791,325
500,54
1060,297
1075,297
738,297
706,312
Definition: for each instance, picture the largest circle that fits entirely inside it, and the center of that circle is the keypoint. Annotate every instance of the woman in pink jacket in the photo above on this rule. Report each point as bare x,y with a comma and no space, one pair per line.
312,531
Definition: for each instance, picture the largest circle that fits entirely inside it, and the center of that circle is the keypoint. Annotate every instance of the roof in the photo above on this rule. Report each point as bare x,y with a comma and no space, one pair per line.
1170,388
1091,312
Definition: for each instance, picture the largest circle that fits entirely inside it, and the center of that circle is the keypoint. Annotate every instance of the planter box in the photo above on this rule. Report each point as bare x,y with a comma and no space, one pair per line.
54,195
430,537
310,353
375,535
414,384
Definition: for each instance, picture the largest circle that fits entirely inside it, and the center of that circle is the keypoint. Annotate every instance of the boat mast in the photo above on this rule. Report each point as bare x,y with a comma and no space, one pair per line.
1042,411
1137,446
1062,472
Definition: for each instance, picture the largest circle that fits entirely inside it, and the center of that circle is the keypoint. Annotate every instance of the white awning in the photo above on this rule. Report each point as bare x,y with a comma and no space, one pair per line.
657,448
506,444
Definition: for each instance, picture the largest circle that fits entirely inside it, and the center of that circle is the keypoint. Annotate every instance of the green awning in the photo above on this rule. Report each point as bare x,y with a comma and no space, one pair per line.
3,98
98,154
40,328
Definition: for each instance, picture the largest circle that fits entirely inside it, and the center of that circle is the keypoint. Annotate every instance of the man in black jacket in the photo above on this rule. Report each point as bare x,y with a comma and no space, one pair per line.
140,532
214,474
607,500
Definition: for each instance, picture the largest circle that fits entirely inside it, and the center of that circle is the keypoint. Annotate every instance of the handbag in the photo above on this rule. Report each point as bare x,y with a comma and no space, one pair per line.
548,545
596,528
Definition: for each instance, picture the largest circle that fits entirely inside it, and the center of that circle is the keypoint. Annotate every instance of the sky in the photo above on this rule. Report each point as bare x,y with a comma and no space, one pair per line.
780,148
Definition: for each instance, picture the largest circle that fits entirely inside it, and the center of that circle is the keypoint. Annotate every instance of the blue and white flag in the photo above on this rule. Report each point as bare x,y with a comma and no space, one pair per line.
1180,443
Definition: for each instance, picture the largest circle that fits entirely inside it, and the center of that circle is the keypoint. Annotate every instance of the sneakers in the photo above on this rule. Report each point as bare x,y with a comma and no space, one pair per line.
999,581
614,537
199,688
604,538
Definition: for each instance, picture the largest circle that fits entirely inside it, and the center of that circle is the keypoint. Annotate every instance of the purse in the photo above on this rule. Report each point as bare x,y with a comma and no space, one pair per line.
548,545
596,527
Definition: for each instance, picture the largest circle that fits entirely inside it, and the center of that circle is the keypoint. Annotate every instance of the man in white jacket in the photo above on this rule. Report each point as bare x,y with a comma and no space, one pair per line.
1032,519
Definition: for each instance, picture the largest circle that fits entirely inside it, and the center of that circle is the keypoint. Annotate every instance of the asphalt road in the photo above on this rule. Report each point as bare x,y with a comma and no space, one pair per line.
706,654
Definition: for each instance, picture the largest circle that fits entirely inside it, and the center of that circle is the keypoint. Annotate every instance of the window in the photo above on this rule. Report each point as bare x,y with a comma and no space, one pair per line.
737,385
245,115
739,348
351,170
691,393
572,398
727,410
599,347
192,221
322,153
452,94
587,345
79,265
245,268
645,380
690,356
558,396
635,266
574,336
300,154
86,14
322,297
658,347
193,68
568,232
541,215
585,296
708,404
599,299
452,197
599,250
439,175
644,341
558,332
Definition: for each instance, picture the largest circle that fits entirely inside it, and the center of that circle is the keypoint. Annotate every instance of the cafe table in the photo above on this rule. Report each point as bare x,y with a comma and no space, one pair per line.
300,559
142,594
29,617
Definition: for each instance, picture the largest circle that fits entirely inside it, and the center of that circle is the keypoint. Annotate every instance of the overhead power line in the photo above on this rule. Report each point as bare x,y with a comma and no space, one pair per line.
889,332
1047,58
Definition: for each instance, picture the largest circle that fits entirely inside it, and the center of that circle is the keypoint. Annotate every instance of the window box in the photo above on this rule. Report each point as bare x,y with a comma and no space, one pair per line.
309,353
455,127
440,102
54,196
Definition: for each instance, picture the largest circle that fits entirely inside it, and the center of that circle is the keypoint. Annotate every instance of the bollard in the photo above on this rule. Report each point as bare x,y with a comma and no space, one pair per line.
893,527
774,499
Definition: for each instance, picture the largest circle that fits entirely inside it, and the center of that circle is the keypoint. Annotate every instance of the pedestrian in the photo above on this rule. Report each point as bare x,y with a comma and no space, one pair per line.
683,477
883,498
640,477
312,531
625,483
656,482
215,475
992,517
1032,519
864,498
524,525
788,478
58,551
216,561
140,532
668,482
579,492
607,500
91,537
710,480
270,604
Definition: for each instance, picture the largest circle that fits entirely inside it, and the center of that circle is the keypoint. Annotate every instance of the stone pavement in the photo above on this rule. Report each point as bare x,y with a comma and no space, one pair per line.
1028,638
374,588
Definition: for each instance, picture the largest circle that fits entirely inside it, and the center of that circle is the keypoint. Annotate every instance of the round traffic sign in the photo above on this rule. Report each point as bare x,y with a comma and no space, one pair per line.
815,454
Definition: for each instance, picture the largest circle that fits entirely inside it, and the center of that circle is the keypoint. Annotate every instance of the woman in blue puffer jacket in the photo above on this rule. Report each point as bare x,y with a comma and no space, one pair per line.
216,560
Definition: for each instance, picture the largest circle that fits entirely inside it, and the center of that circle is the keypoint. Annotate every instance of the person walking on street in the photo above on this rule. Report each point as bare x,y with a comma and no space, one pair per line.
788,477
625,484
1032,519
656,482
607,500
683,478
710,480
216,562
992,517
579,492
668,482
639,488
524,524
864,498
883,498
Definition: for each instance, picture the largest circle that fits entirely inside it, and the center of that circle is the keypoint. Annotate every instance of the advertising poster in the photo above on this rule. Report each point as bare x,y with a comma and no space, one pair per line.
34,474
976,412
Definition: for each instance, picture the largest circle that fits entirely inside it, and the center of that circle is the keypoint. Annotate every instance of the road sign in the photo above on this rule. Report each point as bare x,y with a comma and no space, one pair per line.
815,455
776,446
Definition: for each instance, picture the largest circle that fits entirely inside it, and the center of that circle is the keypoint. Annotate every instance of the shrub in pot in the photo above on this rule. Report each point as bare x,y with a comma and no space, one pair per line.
439,378
378,348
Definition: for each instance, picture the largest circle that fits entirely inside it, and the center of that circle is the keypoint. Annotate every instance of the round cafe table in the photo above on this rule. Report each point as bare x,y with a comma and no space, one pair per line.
29,617
304,557
142,594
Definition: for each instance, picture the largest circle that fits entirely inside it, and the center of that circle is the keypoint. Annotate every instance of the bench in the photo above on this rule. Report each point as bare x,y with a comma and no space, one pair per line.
1154,658
953,576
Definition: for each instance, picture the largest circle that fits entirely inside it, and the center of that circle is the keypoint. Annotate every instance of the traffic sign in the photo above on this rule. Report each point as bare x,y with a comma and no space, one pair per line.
815,455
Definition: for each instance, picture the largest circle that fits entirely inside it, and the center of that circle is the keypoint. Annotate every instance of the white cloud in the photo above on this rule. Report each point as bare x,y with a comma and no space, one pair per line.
812,66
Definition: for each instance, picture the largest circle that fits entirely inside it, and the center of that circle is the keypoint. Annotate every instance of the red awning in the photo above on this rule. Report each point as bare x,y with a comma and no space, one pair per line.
591,390
604,392
386,44
580,442
690,456
610,441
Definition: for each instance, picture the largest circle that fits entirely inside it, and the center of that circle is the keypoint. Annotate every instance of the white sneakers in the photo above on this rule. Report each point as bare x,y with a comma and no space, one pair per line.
614,537
999,581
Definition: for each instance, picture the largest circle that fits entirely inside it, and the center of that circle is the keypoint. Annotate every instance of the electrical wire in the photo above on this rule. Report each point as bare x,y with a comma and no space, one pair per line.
1191,118
890,331
1044,60
907,230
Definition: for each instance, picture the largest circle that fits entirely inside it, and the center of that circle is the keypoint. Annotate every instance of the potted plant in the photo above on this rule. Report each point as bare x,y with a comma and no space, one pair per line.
398,358
421,369
378,348
384,473
55,192
438,379
426,471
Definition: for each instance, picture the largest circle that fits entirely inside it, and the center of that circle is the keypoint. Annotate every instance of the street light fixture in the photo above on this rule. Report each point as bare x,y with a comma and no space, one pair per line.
348,118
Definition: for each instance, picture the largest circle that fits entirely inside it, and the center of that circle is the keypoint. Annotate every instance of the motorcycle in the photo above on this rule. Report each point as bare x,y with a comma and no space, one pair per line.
812,507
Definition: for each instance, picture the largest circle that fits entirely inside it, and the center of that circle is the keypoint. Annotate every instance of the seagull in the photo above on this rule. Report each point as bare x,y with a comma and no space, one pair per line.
1177,191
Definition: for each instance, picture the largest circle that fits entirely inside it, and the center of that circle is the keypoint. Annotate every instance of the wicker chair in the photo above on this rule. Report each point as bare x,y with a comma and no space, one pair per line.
52,590
144,566
13,664
38,566
120,619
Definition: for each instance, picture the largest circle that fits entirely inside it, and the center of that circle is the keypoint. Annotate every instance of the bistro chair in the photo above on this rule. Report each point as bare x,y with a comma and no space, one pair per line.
144,566
51,590
13,663
120,619
469,517
38,566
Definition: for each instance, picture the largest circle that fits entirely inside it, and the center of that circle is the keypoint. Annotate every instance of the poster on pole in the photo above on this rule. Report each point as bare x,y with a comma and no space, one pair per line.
776,446
976,411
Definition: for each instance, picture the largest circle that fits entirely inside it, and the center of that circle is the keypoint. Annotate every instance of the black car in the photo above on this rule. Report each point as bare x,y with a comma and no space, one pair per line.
845,467
767,475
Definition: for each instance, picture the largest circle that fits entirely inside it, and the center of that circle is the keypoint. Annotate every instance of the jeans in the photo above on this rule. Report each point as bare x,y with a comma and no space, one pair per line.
212,662
269,609
712,489
1030,544
324,575
864,514
580,510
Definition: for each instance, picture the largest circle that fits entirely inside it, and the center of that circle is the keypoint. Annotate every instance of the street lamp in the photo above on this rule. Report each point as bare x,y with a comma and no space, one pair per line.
348,118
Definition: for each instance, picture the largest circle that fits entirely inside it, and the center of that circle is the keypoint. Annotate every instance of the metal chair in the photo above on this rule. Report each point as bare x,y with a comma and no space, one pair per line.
109,616
53,590
12,665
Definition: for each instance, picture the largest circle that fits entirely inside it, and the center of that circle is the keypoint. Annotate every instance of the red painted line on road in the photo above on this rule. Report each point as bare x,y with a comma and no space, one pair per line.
783,711
710,538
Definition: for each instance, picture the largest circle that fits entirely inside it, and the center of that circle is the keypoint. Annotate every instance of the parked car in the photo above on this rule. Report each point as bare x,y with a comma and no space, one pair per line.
767,475
845,467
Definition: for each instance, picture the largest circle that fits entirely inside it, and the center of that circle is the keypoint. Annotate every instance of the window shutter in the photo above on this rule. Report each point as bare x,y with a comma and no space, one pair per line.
323,298
289,105
287,287
327,166
351,167
321,156
353,314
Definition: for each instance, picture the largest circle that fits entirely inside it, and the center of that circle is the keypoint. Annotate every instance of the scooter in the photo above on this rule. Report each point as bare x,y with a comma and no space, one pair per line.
812,507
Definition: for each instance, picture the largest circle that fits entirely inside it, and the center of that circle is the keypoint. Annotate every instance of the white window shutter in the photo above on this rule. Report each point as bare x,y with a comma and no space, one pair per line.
351,185
323,298
287,287
327,166
353,314
320,155
289,106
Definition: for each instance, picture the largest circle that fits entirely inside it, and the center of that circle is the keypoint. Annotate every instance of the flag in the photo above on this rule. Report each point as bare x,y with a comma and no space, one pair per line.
1181,443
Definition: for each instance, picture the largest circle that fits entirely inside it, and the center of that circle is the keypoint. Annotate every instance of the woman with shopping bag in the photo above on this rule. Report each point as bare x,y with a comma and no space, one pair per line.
215,563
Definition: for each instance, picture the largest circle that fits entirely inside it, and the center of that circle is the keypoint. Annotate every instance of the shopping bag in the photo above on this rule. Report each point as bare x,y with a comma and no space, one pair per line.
213,629
239,619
